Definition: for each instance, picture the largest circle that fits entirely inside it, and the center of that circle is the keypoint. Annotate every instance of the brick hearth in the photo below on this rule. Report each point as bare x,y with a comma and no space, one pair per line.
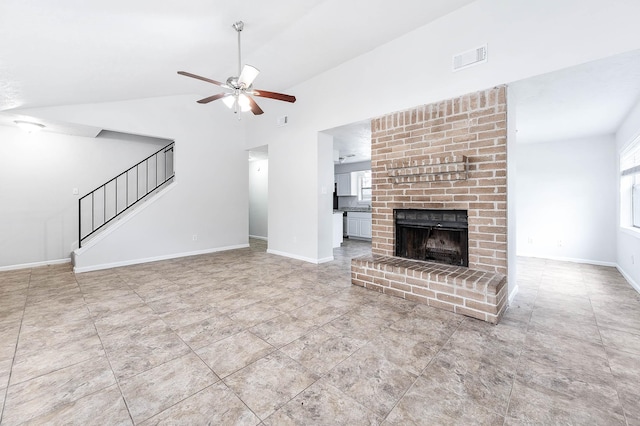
470,292
447,155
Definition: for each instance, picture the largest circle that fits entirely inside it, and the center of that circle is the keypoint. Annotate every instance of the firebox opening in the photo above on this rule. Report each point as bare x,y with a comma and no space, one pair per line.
433,235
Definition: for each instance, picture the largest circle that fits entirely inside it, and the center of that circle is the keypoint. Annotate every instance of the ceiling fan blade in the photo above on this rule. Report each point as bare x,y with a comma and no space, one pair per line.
248,74
212,98
255,109
274,95
208,80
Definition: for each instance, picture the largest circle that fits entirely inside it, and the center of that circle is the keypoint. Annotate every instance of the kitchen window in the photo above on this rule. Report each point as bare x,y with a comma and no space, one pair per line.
364,187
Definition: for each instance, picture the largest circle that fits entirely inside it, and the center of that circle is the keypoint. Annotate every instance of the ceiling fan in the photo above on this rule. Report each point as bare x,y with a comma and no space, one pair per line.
240,88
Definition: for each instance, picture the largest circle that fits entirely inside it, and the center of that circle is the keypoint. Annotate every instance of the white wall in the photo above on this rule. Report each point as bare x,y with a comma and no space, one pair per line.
628,248
300,188
293,195
210,197
38,172
566,200
525,38
258,198
325,198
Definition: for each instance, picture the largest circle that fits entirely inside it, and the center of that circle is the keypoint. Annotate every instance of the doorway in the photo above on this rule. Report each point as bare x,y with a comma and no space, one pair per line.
352,187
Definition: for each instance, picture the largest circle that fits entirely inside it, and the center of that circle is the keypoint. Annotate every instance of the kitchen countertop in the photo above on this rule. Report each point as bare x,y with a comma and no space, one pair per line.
353,209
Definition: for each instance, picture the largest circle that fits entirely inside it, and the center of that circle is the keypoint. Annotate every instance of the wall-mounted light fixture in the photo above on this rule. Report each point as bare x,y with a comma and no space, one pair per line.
29,126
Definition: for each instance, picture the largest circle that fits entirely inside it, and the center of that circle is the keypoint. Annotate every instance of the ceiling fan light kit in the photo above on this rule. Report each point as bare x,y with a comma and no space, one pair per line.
240,88
247,75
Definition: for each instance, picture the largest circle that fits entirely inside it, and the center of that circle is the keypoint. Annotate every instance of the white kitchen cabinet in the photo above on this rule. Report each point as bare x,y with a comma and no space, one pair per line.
347,184
365,227
359,224
353,226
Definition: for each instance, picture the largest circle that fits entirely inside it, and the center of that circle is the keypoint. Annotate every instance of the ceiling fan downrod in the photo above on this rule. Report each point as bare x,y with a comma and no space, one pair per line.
239,26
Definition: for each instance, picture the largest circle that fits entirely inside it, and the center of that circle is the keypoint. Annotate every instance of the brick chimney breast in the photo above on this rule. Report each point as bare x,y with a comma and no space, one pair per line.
447,155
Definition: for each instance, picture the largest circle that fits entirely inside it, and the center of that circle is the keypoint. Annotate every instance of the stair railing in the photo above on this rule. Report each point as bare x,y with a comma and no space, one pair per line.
110,200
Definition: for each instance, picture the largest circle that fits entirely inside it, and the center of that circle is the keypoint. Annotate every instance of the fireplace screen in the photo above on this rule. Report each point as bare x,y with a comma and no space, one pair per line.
433,235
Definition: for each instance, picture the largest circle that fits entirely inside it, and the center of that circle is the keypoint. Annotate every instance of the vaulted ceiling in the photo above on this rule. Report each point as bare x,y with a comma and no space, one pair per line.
77,51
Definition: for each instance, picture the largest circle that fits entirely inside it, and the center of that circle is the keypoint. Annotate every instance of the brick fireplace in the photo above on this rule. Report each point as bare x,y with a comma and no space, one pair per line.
449,156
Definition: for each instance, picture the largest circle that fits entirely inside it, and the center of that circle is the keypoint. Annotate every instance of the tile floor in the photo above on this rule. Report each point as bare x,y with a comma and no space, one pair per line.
244,337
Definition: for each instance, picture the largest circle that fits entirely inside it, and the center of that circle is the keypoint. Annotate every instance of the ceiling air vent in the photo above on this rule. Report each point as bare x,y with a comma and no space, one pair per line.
469,58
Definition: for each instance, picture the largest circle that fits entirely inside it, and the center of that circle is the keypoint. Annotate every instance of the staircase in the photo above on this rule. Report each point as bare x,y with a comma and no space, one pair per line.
109,201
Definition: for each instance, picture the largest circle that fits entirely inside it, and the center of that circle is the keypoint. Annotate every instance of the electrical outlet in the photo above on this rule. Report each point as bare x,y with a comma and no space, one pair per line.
195,237
530,240
559,243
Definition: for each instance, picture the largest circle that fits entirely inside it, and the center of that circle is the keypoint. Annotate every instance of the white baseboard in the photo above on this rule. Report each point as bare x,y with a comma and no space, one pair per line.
154,259
513,294
257,237
628,278
35,264
295,256
571,259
